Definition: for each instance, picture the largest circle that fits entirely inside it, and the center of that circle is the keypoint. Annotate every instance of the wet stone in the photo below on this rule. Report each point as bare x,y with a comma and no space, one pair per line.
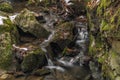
27,22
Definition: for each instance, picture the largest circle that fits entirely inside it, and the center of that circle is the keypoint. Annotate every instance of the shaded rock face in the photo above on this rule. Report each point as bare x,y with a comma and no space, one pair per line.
29,58
104,35
62,38
64,34
27,22
32,61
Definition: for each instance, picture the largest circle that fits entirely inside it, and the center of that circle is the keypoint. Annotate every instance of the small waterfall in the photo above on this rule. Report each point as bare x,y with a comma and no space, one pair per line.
12,17
44,44
50,63
1,19
81,42
67,64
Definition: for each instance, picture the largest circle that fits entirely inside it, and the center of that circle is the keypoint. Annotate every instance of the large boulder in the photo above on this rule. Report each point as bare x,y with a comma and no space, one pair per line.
8,36
5,6
26,21
33,2
33,59
64,34
61,39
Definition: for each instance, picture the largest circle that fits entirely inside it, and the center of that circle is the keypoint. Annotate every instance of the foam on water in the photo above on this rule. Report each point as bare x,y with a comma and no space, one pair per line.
1,19
11,18
56,67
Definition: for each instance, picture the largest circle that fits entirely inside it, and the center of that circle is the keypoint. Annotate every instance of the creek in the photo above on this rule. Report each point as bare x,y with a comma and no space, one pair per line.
78,65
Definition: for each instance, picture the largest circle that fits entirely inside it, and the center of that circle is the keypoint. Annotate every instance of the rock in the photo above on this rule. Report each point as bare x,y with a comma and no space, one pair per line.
8,36
77,7
6,6
33,60
33,2
3,13
34,78
5,50
64,31
114,63
2,71
73,73
41,2
62,38
64,34
6,77
117,78
27,22
115,46
41,72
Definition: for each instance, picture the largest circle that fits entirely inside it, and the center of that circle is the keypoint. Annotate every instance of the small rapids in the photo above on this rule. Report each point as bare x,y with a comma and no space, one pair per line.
12,17
76,67
70,65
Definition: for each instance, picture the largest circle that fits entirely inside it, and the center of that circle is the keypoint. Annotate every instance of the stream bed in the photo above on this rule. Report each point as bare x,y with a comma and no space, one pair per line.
63,38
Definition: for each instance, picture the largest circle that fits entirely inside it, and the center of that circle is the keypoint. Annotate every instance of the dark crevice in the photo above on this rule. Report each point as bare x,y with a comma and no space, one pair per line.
25,36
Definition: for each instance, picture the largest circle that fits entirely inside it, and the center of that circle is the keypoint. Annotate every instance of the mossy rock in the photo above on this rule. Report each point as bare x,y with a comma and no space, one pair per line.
78,7
33,2
104,45
41,72
10,27
33,60
61,39
5,50
6,7
111,65
64,31
114,62
44,3
27,22
8,36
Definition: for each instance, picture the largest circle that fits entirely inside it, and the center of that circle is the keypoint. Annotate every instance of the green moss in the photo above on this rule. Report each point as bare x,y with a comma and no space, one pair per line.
62,28
106,26
7,26
105,49
11,28
5,50
44,3
102,6
64,51
26,20
116,18
29,63
8,36
33,60
92,44
6,7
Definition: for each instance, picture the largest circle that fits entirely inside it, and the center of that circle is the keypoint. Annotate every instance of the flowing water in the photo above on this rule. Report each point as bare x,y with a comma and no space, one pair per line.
67,68
71,66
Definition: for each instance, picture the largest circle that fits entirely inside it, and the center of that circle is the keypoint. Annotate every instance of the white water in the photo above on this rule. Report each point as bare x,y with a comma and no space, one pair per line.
46,42
13,17
65,63
67,2
3,17
56,67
